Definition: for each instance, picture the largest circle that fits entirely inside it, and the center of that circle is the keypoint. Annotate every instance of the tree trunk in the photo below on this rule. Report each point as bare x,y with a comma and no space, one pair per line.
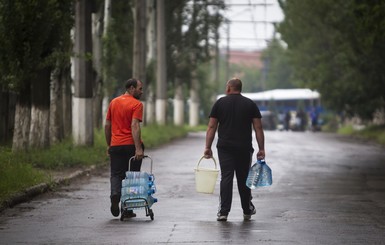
150,106
178,104
140,22
161,88
7,115
98,104
22,120
194,104
106,22
67,101
151,59
56,109
194,99
97,51
82,120
40,101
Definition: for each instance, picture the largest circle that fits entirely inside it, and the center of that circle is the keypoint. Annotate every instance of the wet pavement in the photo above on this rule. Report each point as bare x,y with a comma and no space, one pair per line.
327,189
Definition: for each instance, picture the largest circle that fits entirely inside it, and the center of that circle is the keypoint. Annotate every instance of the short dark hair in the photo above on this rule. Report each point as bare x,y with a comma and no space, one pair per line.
236,83
131,82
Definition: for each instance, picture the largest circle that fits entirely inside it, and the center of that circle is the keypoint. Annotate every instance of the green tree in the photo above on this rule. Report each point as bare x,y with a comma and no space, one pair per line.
33,36
190,27
118,47
278,69
336,47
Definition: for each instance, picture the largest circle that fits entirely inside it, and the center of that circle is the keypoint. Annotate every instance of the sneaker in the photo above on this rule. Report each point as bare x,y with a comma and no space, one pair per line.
222,217
129,214
248,216
115,210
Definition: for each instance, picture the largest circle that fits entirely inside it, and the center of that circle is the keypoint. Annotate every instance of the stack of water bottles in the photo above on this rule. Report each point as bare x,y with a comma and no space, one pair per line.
137,190
259,175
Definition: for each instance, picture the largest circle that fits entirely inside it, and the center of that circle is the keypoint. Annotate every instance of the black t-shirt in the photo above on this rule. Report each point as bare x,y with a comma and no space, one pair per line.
235,115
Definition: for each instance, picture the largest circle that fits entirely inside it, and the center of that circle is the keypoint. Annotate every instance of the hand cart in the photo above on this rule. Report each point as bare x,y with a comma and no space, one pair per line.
137,190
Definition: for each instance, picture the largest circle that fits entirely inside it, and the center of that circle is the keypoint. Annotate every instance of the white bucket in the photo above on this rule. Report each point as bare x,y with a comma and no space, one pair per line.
206,178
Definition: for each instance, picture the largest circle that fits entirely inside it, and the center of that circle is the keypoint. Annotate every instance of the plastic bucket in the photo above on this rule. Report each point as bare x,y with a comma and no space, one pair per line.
206,178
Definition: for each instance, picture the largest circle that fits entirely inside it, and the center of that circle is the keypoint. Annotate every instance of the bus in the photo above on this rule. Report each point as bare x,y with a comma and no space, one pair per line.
299,104
286,99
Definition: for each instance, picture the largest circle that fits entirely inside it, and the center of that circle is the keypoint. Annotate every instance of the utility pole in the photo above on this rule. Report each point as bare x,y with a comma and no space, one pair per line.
83,82
228,51
139,62
161,82
149,104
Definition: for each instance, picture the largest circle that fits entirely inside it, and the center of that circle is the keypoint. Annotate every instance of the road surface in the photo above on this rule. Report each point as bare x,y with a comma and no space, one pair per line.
327,189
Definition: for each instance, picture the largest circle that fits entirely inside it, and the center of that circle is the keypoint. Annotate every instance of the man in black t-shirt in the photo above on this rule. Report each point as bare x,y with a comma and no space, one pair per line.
234,116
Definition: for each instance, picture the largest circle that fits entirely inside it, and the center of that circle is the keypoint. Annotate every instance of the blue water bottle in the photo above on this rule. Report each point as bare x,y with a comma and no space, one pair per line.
259,175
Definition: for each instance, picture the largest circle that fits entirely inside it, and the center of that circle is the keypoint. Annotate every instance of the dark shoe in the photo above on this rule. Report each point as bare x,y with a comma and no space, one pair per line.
221,217
115,210
248,216
129,214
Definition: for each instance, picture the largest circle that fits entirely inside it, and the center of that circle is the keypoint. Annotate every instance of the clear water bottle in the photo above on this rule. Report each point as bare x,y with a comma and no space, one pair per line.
152,189
151,200
259,175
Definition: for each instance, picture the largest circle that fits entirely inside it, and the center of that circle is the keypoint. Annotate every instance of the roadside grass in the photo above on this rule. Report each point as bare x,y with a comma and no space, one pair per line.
16,175
155,135
346,130
21,170
371,133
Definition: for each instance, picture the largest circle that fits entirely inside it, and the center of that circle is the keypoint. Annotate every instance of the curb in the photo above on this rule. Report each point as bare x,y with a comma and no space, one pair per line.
31,192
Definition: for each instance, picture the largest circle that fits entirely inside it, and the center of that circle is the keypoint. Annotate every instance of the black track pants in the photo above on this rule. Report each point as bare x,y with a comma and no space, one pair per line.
237,161
119,157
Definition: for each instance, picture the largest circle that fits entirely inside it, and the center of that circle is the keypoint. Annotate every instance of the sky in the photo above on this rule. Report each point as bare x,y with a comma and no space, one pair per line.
250,23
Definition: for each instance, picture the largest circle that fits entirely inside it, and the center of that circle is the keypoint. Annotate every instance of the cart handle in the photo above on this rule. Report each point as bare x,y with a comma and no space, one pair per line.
215,162
145,156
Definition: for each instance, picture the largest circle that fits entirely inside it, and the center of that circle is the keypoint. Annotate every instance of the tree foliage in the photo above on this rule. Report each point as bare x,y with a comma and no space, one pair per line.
191,28
337,47
33,35
277,67
118,45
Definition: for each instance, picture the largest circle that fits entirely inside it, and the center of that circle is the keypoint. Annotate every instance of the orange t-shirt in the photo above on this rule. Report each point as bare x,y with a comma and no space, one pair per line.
120,113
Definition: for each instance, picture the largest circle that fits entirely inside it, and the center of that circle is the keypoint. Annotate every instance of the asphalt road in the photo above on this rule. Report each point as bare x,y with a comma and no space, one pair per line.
327,189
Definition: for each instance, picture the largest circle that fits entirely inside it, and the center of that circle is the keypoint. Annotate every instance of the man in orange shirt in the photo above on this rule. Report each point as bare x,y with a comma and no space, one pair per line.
123,137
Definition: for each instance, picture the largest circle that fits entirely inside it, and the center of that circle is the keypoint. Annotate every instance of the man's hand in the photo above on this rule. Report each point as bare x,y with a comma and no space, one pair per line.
261,154
208,153
139,154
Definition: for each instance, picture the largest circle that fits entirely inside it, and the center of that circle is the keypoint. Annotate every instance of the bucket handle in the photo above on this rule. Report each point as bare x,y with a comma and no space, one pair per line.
215,162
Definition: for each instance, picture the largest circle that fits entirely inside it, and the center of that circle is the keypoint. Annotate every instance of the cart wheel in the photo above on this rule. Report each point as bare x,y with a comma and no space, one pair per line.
151,214
121,214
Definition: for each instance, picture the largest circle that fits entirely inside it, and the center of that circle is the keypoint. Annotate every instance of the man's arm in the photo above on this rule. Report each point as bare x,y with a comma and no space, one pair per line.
260,137
210,134
136,135
107,134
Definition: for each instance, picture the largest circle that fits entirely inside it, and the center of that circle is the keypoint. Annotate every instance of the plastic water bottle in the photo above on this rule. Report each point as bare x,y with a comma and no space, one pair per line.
152,189
252,177
137,190
265,177
151,200
259,175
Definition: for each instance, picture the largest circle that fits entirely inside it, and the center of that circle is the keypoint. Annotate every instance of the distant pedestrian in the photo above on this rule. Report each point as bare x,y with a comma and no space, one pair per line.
287,120
301,120
314,119
234,116
123,137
